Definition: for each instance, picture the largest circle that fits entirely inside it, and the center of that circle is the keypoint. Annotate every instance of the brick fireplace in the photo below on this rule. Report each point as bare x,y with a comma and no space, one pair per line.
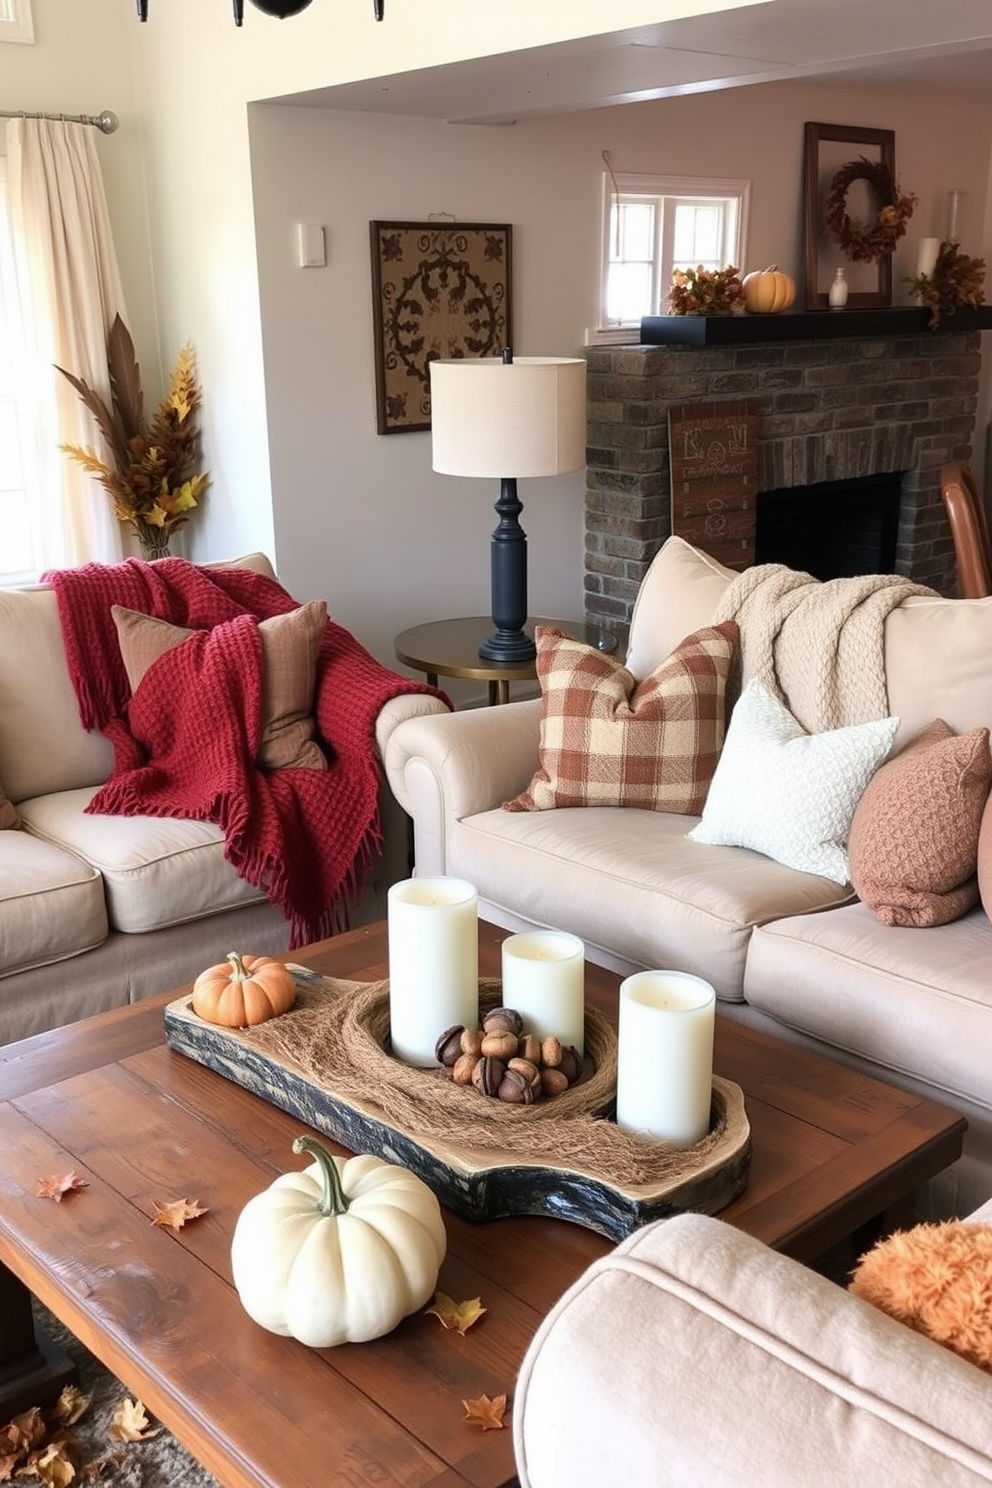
834,402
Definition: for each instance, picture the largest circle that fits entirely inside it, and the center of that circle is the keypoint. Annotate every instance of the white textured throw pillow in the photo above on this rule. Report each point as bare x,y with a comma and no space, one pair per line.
786,793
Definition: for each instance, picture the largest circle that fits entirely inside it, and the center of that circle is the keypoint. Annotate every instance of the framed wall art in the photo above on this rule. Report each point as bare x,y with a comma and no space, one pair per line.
439,289
856,169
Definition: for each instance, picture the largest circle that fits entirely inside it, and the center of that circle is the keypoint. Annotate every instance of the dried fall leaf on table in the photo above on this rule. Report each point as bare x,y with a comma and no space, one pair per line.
174,1214
58,1184
486,1412
458,1317
130,1422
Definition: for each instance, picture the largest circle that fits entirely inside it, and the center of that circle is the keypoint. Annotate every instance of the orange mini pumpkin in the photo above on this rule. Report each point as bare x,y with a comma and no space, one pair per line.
768,291
243,990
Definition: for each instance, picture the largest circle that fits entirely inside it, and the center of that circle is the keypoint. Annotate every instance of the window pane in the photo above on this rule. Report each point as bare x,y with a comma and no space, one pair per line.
636,231
628,291
18,552
11,475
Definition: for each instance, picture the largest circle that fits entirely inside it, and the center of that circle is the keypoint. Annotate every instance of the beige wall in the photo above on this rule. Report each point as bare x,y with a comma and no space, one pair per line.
285,354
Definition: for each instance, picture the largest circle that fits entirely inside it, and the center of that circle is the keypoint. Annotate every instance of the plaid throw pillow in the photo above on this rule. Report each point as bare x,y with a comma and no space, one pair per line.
608,740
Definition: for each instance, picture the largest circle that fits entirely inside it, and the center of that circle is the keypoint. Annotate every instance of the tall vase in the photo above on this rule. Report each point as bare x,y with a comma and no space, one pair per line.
154,542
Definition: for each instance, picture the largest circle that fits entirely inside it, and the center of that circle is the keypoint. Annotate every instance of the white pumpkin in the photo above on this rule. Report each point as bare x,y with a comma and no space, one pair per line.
340,1252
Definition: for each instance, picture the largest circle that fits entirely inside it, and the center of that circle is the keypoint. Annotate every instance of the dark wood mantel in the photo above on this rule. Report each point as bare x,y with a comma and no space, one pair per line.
805,325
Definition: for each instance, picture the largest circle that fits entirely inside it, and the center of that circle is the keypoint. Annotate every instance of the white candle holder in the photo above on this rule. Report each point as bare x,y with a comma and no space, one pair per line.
544,980
433,936
665,1056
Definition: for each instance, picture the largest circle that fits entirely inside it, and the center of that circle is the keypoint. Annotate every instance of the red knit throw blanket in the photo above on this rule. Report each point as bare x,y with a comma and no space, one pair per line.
185,743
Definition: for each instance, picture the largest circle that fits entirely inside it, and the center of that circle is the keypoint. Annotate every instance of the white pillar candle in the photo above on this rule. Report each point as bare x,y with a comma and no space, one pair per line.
433,937
544,980
665,1056
926,260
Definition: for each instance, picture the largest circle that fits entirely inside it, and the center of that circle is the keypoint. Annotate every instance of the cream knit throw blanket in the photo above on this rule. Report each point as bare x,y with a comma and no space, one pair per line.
818,646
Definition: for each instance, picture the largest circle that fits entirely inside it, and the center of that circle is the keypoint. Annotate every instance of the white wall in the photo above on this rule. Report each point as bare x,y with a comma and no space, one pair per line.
360,518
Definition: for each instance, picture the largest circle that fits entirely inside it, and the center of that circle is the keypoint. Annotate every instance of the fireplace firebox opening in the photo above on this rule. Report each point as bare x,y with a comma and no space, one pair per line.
833,529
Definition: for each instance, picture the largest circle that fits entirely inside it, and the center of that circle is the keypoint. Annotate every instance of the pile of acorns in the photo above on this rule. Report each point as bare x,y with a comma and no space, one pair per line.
500,1060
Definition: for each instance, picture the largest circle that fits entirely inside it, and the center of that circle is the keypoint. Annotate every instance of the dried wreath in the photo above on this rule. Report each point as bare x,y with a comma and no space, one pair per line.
861,242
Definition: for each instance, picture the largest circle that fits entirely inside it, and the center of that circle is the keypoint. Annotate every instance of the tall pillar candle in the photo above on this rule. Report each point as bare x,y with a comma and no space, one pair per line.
544,980
665,1056
433,937
926,258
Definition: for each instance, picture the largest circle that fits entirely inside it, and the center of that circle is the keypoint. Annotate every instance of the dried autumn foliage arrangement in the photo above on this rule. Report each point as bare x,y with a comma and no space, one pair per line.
702,291
150,467
956,280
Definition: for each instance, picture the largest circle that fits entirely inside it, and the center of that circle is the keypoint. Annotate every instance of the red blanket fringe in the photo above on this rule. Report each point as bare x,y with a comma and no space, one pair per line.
185,744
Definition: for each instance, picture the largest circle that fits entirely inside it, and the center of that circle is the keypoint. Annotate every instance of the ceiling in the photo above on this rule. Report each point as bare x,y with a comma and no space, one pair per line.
944,45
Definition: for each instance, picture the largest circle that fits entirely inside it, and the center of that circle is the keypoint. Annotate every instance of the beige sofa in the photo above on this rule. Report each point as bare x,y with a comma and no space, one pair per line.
694,1355
789,951
99,911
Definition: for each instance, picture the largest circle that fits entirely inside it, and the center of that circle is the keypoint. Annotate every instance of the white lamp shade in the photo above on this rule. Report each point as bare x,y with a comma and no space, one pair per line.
519,418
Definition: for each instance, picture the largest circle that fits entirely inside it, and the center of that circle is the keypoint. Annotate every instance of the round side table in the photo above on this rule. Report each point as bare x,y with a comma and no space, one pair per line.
450,648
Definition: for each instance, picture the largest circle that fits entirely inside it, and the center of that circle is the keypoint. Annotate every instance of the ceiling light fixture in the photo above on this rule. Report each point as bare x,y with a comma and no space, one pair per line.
280,8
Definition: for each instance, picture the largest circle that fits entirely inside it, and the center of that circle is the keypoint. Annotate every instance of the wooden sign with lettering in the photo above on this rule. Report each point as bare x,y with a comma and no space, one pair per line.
713,449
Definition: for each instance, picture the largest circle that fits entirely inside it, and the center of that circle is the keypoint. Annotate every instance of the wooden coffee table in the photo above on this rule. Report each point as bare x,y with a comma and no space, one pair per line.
140,1123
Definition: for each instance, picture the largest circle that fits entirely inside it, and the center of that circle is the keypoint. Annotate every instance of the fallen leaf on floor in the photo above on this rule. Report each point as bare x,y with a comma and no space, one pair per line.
70,1406
486,1413
456,1316
176,1212
58,1184
52,1465
130,1422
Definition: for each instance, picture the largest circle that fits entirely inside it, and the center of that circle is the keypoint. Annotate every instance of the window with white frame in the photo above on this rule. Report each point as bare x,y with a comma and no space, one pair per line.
652,224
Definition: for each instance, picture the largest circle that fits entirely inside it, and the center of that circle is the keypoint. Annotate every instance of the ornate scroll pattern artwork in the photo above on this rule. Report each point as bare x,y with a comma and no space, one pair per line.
439,289
713,451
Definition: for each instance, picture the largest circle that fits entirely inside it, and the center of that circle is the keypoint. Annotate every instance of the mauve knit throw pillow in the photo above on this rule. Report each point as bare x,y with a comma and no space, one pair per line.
913,845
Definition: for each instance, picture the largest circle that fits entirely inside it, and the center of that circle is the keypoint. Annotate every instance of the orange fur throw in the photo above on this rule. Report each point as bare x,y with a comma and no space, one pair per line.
938,1279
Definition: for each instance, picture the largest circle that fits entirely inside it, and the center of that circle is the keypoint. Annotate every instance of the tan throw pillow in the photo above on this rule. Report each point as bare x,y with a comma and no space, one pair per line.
607,740
913,845
290,646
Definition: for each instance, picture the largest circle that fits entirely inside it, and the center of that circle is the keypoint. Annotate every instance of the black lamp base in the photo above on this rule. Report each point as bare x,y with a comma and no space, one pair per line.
508,568
508,646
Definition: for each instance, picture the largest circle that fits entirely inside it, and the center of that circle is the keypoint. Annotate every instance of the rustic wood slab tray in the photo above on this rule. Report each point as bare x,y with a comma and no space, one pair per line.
482,1182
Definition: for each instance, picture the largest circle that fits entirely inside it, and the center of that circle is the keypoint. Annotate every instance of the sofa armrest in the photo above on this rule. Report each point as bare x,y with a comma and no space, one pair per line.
447,767
696,1349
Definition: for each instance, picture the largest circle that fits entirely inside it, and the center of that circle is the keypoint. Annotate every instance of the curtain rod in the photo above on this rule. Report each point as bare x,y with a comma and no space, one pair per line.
106,122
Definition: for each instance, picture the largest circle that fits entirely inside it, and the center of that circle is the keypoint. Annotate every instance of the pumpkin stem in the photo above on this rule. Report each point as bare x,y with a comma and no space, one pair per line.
239,971
333,1199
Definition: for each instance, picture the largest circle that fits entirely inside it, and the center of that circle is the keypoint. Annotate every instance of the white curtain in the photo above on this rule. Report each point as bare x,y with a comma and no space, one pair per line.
70,283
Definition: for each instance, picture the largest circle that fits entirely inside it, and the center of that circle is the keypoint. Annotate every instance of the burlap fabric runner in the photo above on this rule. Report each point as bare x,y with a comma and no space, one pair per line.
337,1037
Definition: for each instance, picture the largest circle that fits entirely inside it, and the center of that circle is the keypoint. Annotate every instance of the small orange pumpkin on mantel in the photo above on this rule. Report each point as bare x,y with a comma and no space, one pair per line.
243,990
768,291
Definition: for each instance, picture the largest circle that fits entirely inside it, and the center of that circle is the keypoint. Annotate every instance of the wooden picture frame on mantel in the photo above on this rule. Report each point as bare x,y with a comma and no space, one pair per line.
827,149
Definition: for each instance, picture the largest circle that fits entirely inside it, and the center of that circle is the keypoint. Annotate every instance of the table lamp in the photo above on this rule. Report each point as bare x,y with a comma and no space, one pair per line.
508,418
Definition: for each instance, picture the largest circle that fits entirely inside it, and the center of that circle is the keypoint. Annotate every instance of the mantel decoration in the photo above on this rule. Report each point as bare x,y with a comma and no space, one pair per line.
279,8
955,280
867,242
150,470
702,291
440,289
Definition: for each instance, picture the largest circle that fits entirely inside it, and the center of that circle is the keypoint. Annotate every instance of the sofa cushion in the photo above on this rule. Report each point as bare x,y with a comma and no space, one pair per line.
607,740
290,645
9,818
678,594
913,1002
157,871
631,885
43,746
51,904
948,643
913,845
787,793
